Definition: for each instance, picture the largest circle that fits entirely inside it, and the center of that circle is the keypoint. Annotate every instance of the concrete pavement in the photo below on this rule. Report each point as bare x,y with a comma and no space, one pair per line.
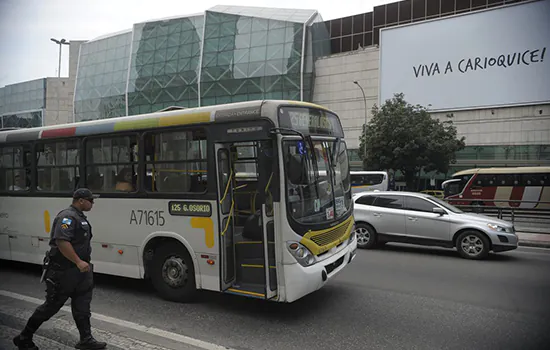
541,240
61,333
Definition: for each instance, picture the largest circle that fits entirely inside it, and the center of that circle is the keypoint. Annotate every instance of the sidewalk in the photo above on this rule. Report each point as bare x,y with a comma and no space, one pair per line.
534,239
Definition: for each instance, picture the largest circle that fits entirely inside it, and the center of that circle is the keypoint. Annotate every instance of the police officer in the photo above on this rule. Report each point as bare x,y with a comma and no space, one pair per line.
69,273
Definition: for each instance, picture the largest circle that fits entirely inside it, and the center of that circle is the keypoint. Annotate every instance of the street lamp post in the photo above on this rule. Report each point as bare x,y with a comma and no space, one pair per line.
365,125
60,43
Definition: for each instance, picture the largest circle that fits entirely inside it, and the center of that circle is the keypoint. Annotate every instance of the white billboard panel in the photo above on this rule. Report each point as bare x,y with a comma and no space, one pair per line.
490,58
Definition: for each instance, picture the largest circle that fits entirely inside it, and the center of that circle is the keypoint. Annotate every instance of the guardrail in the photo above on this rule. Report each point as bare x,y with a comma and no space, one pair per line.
529,220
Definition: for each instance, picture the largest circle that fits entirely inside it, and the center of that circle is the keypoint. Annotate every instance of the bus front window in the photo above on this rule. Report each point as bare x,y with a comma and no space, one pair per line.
455,186
318,190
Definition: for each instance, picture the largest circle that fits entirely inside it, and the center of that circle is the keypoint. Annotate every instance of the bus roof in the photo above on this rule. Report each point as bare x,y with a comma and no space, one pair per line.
507,170
208,114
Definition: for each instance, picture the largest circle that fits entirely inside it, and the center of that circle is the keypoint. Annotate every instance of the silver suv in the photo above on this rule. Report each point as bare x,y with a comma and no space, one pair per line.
416,218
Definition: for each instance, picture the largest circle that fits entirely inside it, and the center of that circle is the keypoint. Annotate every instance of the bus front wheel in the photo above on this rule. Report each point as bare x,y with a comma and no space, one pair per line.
173,274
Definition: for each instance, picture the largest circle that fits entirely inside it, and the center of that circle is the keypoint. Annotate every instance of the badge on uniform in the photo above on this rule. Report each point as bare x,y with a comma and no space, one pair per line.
65,223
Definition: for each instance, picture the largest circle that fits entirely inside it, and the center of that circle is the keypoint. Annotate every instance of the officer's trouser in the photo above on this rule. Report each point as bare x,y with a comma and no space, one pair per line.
61,285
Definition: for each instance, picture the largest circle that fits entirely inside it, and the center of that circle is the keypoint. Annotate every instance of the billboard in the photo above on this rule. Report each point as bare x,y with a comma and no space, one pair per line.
496,57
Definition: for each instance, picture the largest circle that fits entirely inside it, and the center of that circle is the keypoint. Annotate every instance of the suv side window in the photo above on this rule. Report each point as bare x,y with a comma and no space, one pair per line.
418,204
365,200
389,201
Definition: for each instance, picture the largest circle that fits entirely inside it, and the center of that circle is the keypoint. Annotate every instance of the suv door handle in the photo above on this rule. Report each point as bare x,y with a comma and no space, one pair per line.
411,218
376,214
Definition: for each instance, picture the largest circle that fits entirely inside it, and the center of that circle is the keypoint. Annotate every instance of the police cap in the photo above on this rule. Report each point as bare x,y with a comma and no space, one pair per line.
84,193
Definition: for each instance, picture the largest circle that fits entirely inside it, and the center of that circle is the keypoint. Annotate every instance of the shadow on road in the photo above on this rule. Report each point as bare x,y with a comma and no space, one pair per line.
437,251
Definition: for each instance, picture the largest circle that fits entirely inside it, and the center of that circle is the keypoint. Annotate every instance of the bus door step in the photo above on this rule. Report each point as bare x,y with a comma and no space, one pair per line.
251,290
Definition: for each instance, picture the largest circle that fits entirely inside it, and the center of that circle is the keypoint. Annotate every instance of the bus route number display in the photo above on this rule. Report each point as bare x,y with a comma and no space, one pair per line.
180,208
310,121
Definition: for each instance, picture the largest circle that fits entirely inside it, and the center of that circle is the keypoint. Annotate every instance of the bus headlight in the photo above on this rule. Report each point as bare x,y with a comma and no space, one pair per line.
300,253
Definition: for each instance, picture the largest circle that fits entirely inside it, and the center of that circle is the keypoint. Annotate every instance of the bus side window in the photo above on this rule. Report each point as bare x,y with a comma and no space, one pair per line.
15,168
57,165
506,180
528,180
356,180
541,179
111,163
485,180
176,161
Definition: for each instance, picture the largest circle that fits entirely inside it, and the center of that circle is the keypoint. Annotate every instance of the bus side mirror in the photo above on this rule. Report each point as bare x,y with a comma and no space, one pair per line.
439,211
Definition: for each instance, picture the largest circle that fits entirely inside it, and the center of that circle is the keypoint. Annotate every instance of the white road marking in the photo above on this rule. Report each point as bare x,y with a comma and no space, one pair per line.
127,324
7,334
60,323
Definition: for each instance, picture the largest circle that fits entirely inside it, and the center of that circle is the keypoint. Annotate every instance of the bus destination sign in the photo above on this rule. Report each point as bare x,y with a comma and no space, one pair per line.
185,208
310,121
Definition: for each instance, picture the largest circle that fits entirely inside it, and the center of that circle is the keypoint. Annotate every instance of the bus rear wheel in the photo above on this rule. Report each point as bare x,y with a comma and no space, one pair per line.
173,274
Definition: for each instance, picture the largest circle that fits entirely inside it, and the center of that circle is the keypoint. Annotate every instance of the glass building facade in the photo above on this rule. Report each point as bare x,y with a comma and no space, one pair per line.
164,67
101,77
226,54
22,105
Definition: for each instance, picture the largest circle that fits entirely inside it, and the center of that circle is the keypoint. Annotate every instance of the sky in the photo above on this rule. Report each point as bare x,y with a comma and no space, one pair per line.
26,26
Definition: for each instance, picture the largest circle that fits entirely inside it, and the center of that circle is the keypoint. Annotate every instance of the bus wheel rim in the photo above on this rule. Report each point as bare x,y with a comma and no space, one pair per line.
174,272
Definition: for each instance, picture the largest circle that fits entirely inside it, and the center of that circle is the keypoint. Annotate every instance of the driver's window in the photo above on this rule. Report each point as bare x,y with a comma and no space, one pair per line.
418,204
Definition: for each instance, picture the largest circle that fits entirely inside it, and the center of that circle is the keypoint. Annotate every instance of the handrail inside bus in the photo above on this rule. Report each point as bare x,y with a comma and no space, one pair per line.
227,187
228,218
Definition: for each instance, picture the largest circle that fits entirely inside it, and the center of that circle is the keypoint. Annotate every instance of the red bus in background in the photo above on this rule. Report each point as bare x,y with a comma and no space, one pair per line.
497,186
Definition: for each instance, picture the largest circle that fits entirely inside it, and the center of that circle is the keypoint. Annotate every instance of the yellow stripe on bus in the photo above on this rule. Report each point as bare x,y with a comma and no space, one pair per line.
208,226
256,266
136,124
246,292
183,119
361,186
47,224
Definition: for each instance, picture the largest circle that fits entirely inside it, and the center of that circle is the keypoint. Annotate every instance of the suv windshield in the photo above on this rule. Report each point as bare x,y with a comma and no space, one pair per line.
317,190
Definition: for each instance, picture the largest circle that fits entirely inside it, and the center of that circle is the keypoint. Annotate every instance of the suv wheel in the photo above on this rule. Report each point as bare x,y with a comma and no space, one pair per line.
366,236
472,245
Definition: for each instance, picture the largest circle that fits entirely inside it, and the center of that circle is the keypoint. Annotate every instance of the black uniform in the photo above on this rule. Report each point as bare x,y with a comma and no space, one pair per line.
63,278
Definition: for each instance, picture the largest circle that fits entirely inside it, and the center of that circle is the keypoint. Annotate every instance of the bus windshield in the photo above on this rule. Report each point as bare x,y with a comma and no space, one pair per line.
318,184
455,185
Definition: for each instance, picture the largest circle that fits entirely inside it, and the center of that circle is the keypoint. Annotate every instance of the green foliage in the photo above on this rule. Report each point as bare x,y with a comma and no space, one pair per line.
404,137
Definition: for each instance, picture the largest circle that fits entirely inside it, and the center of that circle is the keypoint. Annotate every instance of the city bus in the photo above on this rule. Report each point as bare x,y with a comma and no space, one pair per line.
366,181
249,198
498,186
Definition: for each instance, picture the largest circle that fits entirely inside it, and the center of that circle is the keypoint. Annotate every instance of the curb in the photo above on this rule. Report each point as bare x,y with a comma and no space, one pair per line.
536,244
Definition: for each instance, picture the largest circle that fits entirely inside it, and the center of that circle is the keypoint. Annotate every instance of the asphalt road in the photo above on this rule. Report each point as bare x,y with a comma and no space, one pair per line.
396,298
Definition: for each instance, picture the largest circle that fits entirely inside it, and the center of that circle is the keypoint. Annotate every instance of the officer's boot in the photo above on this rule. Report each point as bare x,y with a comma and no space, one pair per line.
87,341
24,340
24,343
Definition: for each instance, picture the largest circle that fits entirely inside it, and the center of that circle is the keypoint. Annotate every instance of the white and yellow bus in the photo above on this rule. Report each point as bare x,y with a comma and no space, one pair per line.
228,198
367,181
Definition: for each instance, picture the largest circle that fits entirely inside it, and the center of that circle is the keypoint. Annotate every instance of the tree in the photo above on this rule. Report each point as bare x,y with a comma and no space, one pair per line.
404,137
